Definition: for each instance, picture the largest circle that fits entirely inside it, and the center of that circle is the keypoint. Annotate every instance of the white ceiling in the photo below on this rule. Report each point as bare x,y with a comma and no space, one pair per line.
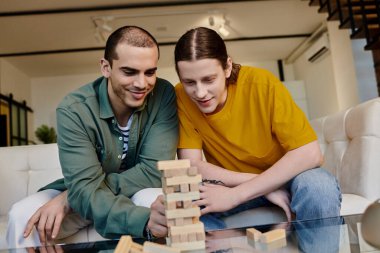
68,25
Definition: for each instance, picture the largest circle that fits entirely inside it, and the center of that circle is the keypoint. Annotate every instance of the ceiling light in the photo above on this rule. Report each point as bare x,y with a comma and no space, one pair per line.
223,30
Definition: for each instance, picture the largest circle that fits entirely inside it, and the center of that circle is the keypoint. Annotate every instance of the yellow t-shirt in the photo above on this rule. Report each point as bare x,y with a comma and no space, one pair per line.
258,124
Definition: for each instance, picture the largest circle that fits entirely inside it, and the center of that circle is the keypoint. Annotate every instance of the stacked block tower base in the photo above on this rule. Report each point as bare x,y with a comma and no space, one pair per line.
180,184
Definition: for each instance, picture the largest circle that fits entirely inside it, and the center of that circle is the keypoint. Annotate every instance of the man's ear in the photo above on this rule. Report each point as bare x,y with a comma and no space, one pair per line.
228,69
105,68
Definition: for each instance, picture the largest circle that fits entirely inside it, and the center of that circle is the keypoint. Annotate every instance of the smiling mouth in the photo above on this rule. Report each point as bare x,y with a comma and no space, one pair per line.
204,102
138,94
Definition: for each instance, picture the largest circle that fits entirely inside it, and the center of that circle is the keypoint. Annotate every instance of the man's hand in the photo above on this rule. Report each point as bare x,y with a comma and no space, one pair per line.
157,221
48,218
281,198
216,198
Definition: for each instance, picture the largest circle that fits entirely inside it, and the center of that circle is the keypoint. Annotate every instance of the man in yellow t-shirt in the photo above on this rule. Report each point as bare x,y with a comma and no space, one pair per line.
256,141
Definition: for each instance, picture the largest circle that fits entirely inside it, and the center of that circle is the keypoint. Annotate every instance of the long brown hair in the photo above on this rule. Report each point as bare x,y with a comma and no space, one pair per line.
204,43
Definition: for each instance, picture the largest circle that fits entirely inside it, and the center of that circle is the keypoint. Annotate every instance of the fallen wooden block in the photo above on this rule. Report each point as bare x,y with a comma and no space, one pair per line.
253,234
272,235
124,244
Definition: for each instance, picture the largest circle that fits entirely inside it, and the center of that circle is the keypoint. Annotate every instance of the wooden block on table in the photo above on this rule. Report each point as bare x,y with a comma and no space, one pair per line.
136,246
150,247
183,180
124,244
179,196
273,235
182,213
173,164
253,234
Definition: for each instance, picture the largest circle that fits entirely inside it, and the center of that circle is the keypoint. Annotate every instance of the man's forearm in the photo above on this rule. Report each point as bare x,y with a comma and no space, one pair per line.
228,177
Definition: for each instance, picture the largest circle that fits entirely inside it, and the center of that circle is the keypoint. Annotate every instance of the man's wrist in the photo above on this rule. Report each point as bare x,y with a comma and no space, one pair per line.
148,234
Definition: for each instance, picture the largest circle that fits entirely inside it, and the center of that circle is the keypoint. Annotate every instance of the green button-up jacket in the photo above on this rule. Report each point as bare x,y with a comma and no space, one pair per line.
90,150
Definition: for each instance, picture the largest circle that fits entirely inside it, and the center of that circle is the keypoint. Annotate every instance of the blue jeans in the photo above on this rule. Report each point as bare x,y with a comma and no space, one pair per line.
315,194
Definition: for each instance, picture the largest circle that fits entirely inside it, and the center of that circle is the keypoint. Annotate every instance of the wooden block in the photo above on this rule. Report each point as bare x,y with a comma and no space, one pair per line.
137,246
179,222
183,180
171,222
171,205
253,234
134,250
183,238
201,236
193,228
189,245
179,196
175,238
187,203
273,235
192,171
168,189
124,244
177,188
184,187
188,221
175,172
182,213
173,164
195,220
150,247
192,237
179,204
194,187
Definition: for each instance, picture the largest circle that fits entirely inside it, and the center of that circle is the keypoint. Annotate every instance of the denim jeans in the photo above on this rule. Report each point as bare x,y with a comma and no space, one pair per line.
315,194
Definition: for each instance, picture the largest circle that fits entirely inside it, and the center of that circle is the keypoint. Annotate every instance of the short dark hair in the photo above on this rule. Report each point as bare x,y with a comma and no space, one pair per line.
132,35
204,43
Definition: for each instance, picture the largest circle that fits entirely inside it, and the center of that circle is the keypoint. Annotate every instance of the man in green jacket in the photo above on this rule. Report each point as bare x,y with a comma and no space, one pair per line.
111,133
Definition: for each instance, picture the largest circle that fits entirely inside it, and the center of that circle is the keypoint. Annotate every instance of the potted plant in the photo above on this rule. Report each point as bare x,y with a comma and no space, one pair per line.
46,134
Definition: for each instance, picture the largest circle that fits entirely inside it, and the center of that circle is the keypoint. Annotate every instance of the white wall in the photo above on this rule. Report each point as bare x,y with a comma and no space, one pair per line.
14,81
365,72
343,65
47,92
331,81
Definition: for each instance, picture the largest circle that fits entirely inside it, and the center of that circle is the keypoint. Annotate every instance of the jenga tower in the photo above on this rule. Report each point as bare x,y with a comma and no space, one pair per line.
180,184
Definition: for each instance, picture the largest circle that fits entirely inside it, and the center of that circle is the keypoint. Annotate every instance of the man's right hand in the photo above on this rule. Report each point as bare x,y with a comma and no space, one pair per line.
157,221
281,198
48,218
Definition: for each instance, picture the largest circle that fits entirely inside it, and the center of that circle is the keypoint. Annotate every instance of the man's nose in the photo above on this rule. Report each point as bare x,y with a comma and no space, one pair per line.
140,82
200,91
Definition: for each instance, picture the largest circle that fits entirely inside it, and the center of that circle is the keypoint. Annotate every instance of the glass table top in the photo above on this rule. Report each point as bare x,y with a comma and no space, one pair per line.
340,234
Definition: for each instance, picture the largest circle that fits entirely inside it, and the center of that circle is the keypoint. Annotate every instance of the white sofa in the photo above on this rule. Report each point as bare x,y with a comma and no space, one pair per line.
350,141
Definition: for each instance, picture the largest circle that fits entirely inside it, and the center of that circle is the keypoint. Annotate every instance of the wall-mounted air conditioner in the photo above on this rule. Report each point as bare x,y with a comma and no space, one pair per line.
318,48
